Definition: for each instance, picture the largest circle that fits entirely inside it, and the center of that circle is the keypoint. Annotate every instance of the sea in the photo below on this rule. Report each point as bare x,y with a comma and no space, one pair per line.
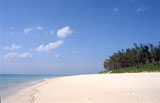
11,83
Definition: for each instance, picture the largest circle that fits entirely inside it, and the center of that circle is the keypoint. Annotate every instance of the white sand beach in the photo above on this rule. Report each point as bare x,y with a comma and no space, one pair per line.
96,88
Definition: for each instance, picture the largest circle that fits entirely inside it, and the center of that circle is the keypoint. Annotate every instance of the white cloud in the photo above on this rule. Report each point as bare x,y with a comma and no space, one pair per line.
25,55
51,32
50,46
10,55
13,47
15,55
115,9
142,9
39,28
27,30
64,32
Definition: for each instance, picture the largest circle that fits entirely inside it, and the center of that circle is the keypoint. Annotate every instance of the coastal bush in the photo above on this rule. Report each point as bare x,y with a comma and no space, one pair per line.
142,68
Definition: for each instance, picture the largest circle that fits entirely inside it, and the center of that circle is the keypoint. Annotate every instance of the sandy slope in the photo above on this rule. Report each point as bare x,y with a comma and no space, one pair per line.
96,88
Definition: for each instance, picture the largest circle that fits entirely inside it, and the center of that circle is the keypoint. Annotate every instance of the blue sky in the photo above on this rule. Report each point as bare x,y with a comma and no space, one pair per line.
72,36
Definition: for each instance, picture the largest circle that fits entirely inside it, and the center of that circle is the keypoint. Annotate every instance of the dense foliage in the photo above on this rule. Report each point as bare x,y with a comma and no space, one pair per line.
142,68
134,57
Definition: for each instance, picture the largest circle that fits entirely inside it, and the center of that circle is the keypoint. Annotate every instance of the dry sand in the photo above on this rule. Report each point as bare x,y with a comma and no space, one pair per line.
96,88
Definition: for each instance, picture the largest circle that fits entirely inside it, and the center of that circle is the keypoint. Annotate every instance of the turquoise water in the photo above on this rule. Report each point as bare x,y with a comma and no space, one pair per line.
10,83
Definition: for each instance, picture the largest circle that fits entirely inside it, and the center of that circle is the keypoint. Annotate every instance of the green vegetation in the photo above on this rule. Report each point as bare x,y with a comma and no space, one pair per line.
103,72
134,59
143,68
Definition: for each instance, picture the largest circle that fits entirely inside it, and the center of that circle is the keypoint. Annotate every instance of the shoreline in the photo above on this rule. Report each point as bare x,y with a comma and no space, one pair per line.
28,90
92,88
13,90
11,83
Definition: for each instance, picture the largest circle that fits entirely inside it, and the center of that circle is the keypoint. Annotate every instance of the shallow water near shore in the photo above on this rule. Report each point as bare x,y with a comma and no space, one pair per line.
10,83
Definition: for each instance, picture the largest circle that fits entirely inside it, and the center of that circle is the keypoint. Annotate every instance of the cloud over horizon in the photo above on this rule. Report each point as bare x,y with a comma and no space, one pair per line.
27,30
39,28
10,55
25,55
12,47
142,9
49,46
64,32
16,55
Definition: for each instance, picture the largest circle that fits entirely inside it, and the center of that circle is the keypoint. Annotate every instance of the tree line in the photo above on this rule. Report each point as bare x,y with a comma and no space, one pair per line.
136,56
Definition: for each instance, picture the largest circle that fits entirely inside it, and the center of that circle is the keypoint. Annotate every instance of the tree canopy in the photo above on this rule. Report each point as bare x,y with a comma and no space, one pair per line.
136,56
